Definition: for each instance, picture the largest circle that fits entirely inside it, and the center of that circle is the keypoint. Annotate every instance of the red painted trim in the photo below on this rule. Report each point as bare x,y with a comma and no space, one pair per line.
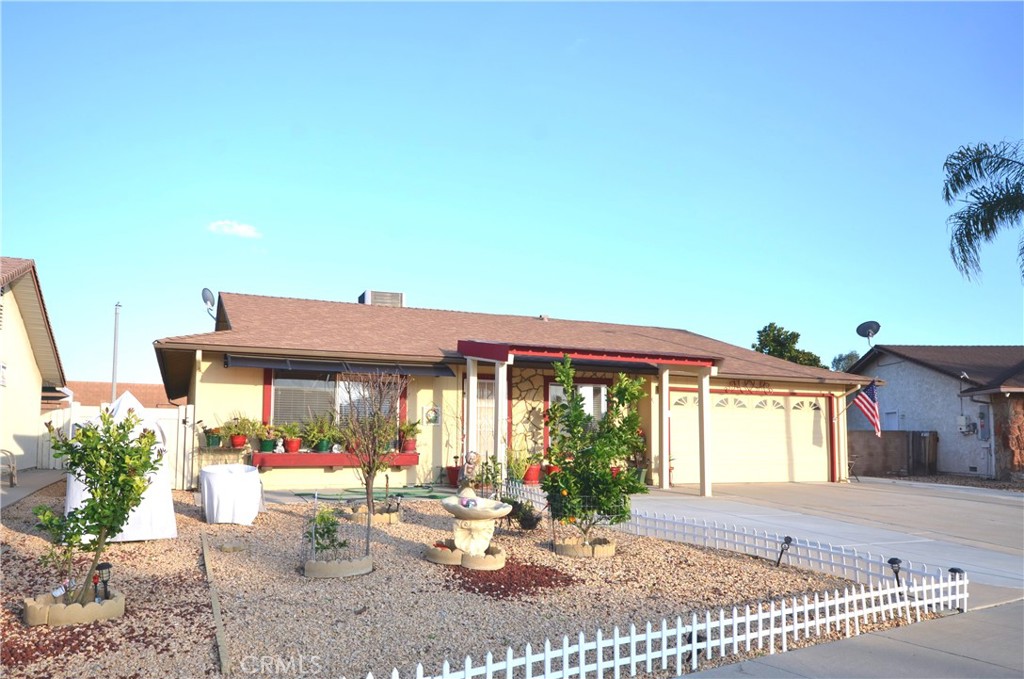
625,357
268,394
313,460
738,392
489,351
833,442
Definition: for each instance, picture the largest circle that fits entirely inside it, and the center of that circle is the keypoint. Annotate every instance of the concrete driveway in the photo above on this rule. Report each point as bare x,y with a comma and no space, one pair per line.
981,531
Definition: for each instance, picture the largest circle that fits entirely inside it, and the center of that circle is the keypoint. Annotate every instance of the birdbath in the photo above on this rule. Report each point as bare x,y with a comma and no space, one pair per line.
473,529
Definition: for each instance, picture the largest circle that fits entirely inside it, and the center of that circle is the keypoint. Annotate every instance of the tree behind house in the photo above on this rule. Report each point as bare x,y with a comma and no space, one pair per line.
774,340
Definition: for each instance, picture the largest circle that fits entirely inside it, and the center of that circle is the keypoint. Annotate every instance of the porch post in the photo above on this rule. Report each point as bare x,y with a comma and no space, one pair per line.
500,410
471,428
664,428
704,429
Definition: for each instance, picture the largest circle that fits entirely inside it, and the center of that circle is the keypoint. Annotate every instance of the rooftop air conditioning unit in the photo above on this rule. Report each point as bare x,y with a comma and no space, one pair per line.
382,298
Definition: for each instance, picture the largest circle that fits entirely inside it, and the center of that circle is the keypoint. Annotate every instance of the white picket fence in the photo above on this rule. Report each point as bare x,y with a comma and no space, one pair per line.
681,646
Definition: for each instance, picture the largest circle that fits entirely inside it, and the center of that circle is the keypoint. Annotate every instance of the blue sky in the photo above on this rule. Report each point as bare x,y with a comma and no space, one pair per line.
713,167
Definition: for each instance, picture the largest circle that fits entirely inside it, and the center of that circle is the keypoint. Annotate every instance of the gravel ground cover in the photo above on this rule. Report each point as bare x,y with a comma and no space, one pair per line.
405,612
964,480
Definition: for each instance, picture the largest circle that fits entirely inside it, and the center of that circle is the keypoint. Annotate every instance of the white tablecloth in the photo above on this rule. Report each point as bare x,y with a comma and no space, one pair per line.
231,493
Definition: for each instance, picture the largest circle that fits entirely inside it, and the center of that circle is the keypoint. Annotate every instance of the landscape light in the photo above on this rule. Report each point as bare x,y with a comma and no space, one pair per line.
894,563
103,570
786,542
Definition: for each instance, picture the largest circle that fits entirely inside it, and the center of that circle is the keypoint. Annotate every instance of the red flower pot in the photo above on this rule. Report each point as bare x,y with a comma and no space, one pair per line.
553,469
532,475
238,440
408,445
616,471
292,445
453,476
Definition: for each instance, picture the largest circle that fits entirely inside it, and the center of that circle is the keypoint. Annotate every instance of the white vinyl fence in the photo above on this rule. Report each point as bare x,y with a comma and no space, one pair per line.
177,425
683,644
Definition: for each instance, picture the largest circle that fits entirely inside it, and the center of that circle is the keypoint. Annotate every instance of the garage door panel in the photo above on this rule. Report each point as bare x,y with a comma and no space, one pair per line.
753,438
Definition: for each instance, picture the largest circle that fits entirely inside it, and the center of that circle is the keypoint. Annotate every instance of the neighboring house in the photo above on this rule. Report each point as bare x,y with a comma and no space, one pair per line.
713,412
98,394
30,368
972,396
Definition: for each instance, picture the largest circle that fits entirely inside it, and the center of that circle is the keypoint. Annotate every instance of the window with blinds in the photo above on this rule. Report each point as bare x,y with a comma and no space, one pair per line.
298,397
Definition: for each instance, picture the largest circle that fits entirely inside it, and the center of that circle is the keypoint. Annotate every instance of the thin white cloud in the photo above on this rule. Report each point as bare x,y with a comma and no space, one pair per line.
232,228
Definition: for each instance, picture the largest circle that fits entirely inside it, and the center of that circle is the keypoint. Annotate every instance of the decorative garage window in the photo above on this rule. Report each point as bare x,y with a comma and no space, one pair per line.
681,401
765,404
806,405
739,403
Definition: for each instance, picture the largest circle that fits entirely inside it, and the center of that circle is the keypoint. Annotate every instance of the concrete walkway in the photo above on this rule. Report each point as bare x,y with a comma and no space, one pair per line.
979,530
29,481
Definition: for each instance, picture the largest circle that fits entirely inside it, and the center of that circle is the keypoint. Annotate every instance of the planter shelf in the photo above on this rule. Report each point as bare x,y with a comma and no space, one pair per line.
45,610
328,460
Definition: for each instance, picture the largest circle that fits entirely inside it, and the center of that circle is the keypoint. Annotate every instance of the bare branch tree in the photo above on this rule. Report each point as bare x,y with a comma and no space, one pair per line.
369,413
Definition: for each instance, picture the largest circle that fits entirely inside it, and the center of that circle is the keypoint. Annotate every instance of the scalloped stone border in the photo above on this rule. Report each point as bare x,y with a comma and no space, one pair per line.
45,610
382,519
492,560
338,569
599,548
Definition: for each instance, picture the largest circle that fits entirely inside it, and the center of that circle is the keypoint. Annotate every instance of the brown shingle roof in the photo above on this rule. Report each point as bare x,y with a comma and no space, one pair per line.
302,327
20,276
95,393
988,368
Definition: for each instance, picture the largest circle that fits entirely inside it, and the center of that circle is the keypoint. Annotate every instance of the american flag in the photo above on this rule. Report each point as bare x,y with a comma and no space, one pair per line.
867,401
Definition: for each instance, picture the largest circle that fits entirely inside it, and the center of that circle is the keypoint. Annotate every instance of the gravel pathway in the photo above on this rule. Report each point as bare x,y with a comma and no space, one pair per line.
405,612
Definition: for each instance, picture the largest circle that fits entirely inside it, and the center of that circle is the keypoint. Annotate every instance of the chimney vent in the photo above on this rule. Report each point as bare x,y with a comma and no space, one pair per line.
382,298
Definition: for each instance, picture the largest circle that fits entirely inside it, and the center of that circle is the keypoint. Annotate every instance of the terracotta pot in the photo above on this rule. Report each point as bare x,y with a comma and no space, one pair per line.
292,445
453,476
532,475
408,445
238,440
553,469
616,471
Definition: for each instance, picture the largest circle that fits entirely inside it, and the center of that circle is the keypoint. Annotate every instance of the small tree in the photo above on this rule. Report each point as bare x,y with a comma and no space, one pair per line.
585,492
114,467
370,418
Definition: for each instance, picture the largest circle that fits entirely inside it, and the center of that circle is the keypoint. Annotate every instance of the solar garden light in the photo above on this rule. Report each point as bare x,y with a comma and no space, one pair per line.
958,574
786,542
894,563
96,587
103,570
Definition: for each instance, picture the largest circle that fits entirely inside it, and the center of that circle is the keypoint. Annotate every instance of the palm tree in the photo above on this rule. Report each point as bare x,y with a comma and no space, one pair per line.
993,179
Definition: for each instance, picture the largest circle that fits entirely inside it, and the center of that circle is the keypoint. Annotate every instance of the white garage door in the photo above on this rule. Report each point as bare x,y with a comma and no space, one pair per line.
753,438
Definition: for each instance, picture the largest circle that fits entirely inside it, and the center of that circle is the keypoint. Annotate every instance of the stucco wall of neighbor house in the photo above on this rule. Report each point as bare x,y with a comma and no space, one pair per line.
22,389
925,400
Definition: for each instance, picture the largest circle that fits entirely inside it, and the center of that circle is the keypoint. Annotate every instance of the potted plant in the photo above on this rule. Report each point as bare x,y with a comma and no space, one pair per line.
407,434
517,464
326,550
268,438
452,471
212,435
240,429
531,476
319,432
290,431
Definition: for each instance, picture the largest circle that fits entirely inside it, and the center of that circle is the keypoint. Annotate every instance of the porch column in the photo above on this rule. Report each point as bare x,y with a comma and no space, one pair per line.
471,428
665,422
704,429
500,410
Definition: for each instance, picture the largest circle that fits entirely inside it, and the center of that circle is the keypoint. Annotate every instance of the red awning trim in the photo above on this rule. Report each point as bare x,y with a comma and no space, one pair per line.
496,351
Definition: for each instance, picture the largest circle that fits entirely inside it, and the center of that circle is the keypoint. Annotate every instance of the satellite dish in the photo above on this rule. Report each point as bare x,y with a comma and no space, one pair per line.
868,329
210,301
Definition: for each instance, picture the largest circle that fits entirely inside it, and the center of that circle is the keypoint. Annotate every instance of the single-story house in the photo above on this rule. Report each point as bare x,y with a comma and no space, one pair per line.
971,396
30,367
713,412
